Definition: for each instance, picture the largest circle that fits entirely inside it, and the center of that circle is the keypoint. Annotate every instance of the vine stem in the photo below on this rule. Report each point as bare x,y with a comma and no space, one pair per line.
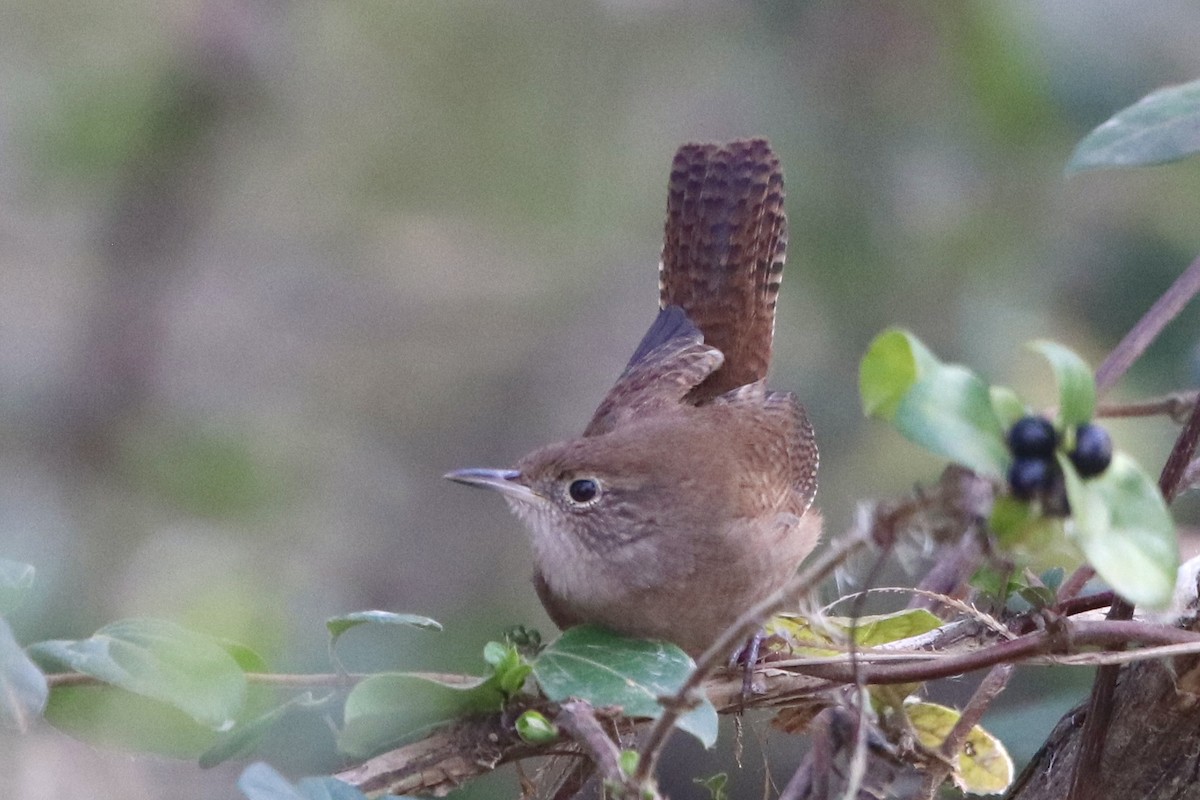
1147,329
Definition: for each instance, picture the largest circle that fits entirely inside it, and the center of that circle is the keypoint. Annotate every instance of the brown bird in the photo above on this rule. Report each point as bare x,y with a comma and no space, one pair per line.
688,497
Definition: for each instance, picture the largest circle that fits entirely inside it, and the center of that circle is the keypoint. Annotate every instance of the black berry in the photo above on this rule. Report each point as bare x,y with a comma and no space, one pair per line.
1029,476
1093,450
1032,437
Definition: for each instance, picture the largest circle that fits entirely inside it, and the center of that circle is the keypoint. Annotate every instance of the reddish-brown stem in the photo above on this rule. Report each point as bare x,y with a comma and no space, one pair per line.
1148,327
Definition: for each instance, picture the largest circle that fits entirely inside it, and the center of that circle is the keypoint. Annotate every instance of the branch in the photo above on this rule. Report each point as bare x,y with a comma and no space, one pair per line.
988,690
472,747
578,719
1176,405
1147,329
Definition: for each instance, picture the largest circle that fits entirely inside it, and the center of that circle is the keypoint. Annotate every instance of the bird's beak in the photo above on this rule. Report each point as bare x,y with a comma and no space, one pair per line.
505,481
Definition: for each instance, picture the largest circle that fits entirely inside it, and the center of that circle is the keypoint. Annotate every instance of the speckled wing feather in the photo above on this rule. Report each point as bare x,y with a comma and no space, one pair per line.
671,360
723,253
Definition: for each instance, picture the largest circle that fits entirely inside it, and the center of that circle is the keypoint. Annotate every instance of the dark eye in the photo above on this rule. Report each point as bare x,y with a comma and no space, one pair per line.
583,490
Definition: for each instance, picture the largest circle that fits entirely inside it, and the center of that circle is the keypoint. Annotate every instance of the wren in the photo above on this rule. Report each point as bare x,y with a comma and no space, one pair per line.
688,498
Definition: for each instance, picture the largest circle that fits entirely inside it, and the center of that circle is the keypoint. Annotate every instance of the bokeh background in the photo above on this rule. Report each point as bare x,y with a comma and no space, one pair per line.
271,268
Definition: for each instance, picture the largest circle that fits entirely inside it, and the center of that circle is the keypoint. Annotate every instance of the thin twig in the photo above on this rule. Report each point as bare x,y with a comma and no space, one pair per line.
1176,405
1073,585
579,721
1081,633
1147,329
987,691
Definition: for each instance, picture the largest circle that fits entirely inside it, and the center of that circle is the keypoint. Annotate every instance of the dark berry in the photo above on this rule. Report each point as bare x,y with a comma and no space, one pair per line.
1093,450
1032,437
583,490
1029,476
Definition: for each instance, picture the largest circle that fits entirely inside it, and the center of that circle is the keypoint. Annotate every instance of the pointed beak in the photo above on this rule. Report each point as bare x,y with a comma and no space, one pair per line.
505,481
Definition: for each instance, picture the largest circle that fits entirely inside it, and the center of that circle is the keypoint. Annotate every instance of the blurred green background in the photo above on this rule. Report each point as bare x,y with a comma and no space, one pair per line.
271,268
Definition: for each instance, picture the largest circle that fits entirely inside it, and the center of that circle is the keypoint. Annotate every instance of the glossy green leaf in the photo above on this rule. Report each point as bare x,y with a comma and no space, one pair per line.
23,691
159,660
339,625
1163,126
387,709
944,408
1122,524
605,669
16,580
1076,386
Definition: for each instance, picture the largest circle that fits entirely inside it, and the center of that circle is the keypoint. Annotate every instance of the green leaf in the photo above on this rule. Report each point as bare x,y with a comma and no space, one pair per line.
247,659
1076,386
888,371
605,669
23,691
1121,523
159,660
16,580
243,739
387,709
106,715
339,625
883,628
1163,126
944,408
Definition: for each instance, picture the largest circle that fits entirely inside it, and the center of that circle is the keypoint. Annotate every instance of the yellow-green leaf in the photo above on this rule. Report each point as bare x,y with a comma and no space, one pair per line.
982,766
883,628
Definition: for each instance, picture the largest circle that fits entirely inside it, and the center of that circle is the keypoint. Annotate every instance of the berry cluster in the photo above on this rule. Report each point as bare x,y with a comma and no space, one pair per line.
1035,471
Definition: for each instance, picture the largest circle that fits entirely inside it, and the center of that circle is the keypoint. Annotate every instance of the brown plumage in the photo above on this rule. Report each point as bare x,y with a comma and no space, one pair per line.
688,497
723,253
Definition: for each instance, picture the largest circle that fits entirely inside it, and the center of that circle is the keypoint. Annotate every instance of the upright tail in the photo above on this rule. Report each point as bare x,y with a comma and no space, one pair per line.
723,253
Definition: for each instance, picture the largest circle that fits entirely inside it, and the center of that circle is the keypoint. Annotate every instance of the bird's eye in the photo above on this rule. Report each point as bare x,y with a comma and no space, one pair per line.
583,490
